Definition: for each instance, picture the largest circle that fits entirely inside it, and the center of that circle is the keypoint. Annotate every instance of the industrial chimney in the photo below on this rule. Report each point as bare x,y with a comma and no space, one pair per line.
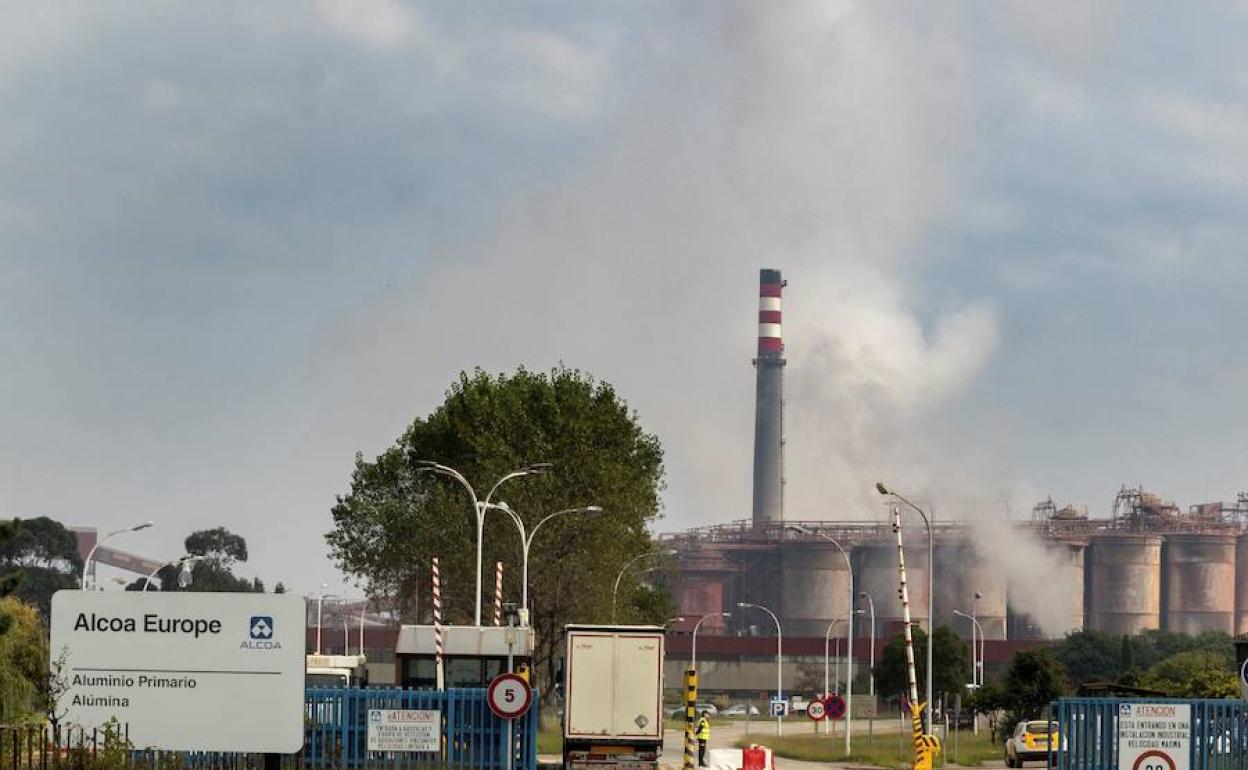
769,404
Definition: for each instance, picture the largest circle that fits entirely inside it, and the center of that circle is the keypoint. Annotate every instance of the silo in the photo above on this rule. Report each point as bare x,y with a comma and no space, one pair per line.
1124,583
814,588
1241,585
1047,603
875,565
961,574
1198,583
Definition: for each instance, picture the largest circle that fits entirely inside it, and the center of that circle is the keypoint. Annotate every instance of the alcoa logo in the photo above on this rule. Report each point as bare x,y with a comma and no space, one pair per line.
261,631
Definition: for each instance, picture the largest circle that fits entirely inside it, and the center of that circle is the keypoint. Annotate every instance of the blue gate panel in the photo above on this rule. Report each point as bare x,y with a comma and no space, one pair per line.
1088,733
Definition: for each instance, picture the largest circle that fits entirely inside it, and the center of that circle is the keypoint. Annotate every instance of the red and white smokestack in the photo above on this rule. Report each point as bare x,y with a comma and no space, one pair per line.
769,404
769,289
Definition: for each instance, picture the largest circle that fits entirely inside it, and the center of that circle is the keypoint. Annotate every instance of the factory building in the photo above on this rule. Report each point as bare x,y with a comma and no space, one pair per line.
1148,565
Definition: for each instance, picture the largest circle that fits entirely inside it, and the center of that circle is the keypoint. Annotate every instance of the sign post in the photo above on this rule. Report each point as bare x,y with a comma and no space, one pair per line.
509,696
816,711
175,667
835,706
1154,736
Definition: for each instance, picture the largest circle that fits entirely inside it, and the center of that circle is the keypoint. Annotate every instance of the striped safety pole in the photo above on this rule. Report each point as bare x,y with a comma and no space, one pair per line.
498,594
691,708
437,624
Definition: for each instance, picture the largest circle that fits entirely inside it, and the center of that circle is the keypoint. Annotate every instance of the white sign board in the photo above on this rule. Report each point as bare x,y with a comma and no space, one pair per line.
1154,736
390,730
184,671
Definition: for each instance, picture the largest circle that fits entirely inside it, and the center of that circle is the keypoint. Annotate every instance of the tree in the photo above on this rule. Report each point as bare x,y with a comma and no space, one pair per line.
23,661
396,518
1193,674
220,549
1034,680
950,663
1090,656
45,556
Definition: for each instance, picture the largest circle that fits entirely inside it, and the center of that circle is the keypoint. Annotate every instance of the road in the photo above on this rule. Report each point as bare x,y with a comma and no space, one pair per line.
723,755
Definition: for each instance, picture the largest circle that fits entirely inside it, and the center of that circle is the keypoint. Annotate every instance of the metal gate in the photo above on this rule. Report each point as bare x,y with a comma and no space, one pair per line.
1088,733
336,730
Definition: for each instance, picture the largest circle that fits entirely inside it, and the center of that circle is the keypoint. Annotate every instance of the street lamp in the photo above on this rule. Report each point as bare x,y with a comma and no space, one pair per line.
976,662
871,604
616,588
669,621
931,569
779,645
693,662
849,634
87,562
184,576
526,542
478,506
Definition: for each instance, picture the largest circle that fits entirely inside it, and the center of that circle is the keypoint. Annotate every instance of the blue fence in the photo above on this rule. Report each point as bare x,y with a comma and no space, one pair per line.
1088,730
473,738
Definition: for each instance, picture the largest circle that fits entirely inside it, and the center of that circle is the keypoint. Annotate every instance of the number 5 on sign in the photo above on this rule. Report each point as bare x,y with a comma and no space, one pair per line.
509,696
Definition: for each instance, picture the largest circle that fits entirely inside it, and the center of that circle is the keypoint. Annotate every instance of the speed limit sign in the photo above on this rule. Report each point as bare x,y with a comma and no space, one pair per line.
509,696
816,710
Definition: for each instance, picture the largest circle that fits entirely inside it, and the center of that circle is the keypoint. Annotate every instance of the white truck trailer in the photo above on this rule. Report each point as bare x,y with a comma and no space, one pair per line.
613,698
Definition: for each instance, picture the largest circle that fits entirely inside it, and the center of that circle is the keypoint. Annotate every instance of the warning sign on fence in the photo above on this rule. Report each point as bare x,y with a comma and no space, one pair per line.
1154,736
409,730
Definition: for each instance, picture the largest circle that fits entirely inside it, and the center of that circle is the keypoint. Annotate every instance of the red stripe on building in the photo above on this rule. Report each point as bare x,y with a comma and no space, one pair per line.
770,345
769,290
769,316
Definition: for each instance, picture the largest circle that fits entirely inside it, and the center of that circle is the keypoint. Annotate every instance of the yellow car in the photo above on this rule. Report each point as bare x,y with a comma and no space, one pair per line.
1031,741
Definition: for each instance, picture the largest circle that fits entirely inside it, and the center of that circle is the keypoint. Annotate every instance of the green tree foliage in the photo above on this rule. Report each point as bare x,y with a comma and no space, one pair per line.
45,556
1093,656
1034,679
220,550
23,661
951,663
1193,674
396,518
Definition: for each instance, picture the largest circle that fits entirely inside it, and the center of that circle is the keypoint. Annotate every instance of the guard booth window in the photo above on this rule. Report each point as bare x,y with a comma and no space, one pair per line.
420,671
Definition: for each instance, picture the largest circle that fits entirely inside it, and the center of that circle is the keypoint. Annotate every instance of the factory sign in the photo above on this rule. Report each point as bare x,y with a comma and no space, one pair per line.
407,730
1154,736
183,671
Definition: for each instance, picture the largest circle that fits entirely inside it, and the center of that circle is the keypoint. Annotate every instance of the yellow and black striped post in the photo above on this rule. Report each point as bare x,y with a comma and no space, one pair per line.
691,708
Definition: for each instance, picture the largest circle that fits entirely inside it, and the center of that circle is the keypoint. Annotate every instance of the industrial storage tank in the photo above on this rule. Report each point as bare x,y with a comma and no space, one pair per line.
1198,583
1124,583
1049,606
1241,585
814,588
962,573
875,571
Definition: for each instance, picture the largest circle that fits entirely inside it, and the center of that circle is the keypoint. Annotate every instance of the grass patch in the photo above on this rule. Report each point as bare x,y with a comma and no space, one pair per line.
550,741
892,750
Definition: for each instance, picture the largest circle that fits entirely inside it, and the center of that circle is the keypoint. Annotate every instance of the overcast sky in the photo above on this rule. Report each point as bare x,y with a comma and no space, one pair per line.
241,241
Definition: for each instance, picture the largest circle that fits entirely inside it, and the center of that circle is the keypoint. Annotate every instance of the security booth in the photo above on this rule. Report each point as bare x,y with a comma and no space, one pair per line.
471,655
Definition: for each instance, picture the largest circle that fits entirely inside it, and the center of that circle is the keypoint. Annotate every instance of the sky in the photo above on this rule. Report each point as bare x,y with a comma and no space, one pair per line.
240,242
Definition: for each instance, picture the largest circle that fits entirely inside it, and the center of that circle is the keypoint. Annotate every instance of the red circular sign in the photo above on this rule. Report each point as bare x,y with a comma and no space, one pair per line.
816,710
835,706
1142,763
509,696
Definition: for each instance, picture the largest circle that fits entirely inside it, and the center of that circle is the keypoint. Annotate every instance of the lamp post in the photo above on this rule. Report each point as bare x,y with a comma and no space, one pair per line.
185,563
976,660
871,604
931,568
693,662
526,542
320,600
779,648
479,507
616,588
849,634
87,562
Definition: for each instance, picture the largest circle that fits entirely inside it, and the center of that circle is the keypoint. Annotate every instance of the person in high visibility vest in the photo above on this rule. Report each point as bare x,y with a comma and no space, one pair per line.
703,734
